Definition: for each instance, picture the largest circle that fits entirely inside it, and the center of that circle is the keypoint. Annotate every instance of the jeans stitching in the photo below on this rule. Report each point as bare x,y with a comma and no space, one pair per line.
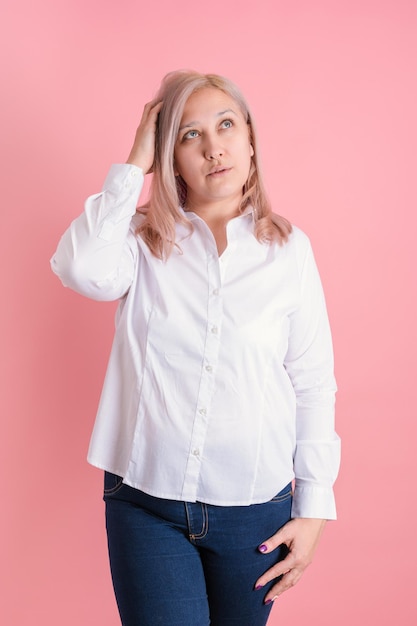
112,490
204,528
189,519
283,497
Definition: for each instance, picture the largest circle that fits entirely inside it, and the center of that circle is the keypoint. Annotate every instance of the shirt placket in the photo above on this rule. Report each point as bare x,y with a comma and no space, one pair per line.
207,380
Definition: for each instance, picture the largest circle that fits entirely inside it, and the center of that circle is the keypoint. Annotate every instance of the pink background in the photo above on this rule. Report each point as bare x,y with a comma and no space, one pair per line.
333,88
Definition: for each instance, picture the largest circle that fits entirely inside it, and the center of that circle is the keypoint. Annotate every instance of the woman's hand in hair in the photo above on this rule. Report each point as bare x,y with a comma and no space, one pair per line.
142,153
301,536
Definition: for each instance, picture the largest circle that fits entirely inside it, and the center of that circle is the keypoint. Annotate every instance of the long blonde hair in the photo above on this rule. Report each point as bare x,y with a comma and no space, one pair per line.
169,192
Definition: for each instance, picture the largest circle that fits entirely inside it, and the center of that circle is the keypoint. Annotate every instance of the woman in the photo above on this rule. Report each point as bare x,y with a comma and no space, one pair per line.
220,389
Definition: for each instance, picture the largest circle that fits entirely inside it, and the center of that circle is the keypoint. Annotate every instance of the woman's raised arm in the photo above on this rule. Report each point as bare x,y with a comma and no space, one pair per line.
97,254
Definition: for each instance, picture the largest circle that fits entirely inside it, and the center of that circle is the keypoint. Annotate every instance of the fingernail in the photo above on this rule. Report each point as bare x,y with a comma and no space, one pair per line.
263,548
258,587
268,601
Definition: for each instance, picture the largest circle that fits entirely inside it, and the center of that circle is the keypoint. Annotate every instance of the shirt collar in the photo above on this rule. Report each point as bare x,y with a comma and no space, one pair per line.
248,210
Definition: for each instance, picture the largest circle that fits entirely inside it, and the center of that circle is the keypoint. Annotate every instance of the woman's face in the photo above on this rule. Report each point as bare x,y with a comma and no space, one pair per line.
213,150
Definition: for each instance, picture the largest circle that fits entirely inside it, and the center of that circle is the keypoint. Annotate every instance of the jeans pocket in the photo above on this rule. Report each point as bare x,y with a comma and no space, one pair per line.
112,483
284,494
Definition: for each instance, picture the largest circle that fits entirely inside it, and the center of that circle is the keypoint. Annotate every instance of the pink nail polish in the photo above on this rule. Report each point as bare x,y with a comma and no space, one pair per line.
258,587
263,548
268,601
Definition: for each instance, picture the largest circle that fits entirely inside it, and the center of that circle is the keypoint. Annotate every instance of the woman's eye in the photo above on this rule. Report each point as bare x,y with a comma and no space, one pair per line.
227,124
191,134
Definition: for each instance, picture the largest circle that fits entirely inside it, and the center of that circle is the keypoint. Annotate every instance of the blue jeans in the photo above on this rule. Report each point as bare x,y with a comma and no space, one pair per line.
189,564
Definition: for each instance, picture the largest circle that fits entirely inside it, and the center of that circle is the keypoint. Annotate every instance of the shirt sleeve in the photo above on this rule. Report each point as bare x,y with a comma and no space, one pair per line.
96,256
309,364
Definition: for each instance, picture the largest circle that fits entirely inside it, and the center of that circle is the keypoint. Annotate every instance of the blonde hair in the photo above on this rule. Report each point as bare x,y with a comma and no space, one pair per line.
169,192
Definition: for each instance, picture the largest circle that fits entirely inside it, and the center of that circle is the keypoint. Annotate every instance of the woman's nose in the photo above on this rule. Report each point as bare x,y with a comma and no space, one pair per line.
212,149
214,155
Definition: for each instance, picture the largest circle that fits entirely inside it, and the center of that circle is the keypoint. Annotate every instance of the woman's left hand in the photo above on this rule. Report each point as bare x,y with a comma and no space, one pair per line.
301,536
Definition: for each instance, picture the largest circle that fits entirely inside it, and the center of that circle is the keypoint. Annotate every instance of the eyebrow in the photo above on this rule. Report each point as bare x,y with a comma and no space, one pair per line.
193,123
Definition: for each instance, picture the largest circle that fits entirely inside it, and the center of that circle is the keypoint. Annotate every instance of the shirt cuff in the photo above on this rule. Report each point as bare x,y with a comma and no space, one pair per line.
123,176
314,502
122,185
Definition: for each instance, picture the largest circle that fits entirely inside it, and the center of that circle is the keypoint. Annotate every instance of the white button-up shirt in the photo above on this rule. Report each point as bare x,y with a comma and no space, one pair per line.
220,383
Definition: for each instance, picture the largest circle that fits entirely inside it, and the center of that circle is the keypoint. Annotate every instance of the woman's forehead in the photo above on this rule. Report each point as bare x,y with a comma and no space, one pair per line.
208,102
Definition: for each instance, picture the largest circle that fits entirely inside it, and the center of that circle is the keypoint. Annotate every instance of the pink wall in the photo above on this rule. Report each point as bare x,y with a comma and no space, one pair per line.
333,87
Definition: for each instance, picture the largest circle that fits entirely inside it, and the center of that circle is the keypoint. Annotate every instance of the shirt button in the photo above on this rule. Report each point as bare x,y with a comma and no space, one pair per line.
203,411
196,452
209,368
214,330
216,292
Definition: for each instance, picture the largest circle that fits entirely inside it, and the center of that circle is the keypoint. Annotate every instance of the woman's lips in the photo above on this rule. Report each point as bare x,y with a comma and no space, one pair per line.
219,171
